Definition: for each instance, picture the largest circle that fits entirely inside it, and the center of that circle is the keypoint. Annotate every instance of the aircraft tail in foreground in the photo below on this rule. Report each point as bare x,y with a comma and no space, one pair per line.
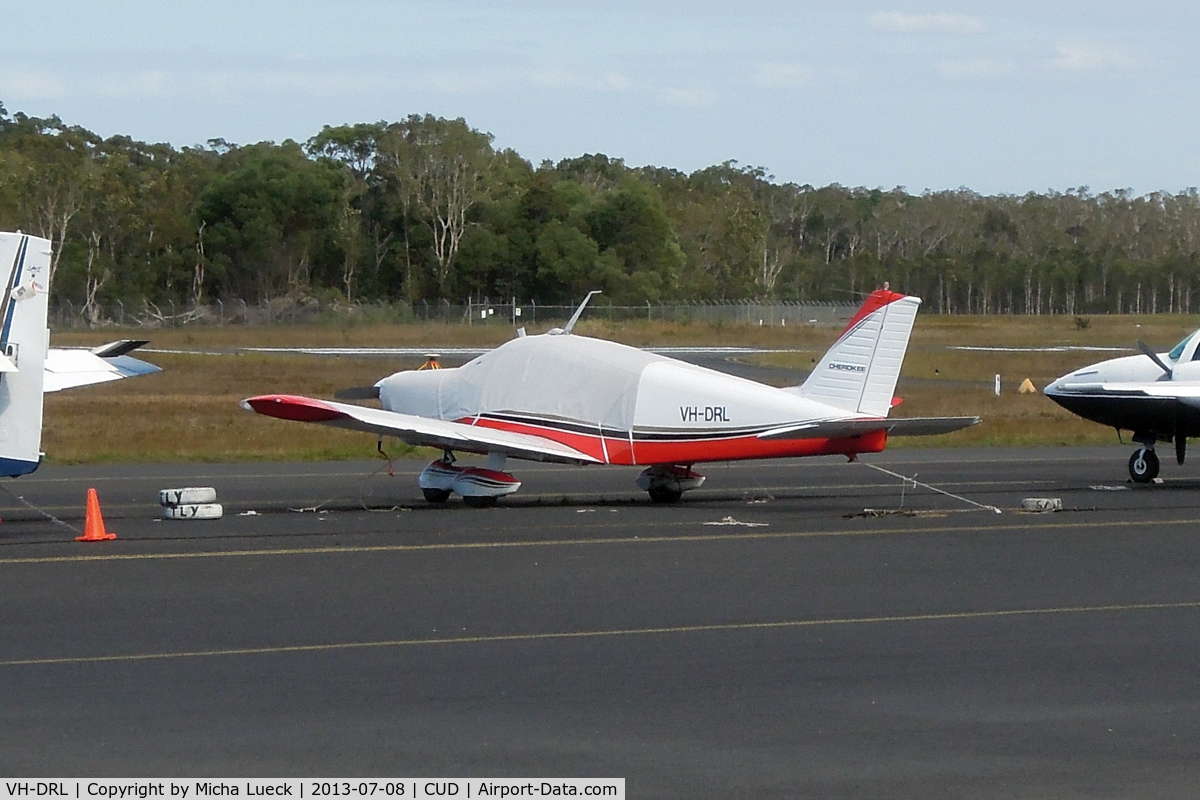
859,372
24,338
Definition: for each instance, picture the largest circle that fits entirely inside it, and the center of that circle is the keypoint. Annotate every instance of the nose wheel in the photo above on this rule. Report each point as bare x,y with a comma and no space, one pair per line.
1143,466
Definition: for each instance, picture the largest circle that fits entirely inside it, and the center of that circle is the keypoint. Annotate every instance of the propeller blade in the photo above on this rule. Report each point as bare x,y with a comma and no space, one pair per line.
1153,356
358,393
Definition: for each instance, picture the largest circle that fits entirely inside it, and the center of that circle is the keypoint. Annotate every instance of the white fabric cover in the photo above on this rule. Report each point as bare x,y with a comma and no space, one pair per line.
556,377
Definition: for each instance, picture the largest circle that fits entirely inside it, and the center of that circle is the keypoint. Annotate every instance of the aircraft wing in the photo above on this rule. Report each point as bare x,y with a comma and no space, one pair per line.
416,430
896,426
67,368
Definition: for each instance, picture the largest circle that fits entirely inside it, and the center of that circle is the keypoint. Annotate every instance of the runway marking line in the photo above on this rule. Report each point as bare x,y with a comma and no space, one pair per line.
683,538
597,634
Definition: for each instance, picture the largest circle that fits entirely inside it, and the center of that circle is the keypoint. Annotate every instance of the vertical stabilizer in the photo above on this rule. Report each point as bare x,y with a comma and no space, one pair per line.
24,281
860,371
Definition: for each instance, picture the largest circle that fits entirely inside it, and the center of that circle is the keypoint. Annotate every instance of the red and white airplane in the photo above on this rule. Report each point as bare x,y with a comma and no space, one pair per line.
571,399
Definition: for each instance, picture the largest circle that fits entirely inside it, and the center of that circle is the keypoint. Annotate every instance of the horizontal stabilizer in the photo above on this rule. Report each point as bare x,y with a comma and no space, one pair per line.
415,430
120,347
929,426
899,426
67,368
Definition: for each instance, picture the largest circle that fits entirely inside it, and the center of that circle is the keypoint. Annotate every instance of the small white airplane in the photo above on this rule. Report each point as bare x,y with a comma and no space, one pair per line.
571,399
29,367
1154,395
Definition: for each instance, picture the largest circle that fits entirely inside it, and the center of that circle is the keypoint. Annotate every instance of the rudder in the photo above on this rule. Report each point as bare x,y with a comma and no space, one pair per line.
24,339
859,372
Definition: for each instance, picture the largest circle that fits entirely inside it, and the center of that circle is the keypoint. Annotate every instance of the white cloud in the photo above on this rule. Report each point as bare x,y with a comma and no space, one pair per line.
456,82
558,78
30,86
143,84
245,85
615,81
899,22
690,97
551,77
781,75
977,68
1082,57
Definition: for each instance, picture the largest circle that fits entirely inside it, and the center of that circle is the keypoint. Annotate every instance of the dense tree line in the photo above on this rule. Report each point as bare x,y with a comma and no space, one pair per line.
428,208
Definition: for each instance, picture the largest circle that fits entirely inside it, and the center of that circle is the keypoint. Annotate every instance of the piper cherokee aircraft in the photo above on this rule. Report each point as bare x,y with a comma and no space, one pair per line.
571,399
1155,395
28,366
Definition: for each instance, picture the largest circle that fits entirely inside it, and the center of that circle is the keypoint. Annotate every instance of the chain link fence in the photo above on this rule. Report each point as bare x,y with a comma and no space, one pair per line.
310,311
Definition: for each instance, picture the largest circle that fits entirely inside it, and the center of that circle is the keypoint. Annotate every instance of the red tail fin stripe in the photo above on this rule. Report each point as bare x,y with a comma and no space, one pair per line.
875,301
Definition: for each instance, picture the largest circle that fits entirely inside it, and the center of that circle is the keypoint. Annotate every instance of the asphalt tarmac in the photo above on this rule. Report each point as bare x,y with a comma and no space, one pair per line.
768,637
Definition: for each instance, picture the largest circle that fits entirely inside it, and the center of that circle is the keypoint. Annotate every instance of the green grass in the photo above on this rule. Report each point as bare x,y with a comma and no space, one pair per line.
189,411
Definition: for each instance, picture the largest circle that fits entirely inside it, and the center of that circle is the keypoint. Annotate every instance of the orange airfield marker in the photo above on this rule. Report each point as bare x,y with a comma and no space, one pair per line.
93,525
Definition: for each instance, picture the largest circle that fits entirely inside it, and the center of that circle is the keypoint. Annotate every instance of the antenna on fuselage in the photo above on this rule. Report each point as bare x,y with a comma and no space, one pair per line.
579,311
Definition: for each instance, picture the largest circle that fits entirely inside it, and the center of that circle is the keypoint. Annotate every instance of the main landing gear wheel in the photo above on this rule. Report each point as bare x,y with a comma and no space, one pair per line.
664,494
1143,466
436,495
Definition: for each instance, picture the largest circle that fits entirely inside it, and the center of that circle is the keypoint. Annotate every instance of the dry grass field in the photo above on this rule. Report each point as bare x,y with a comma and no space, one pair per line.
189,411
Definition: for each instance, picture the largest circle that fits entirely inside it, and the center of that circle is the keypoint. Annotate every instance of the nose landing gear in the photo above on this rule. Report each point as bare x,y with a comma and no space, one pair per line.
1143,465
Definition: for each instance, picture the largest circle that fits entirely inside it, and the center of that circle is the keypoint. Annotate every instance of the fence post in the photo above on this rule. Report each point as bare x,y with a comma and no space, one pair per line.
220,313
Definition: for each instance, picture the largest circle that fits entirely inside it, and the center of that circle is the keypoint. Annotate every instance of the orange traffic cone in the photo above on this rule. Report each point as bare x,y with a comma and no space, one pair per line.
93,524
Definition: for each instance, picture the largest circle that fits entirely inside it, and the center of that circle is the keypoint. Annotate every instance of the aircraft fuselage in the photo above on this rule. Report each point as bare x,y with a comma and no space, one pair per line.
618,404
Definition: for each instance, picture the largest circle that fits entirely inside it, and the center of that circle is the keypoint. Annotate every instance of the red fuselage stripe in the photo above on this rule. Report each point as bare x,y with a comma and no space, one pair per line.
691,451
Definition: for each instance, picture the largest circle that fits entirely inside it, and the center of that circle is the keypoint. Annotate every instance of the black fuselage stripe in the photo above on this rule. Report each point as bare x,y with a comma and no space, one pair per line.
14,275
611,433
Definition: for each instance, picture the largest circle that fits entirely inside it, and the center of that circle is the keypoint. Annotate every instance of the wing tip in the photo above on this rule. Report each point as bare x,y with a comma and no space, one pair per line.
292,407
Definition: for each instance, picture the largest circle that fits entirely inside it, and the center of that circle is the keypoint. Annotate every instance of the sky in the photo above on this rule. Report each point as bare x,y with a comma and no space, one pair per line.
999,98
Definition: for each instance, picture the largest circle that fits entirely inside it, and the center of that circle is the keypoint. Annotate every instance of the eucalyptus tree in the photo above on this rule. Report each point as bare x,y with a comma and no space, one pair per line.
441,169
47,170
355,148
